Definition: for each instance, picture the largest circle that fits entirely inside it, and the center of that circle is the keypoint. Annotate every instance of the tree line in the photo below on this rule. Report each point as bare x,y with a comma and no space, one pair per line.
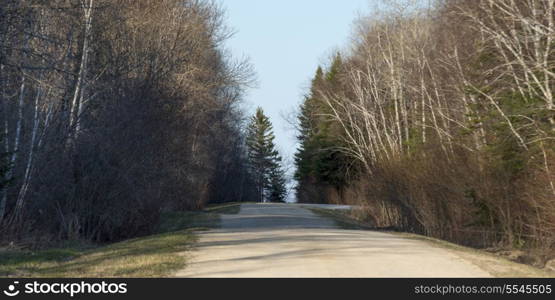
115,111
439,118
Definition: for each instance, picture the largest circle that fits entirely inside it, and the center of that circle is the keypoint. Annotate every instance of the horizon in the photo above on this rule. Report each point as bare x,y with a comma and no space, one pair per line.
322,28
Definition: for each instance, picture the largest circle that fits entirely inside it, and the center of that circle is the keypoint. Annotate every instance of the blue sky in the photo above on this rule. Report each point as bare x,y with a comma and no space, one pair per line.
286,40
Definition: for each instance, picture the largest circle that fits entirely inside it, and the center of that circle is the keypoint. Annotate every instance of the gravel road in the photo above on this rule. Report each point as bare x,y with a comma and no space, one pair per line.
289,241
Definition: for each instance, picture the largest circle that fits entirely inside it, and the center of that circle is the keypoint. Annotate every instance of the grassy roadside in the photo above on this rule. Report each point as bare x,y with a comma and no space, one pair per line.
151,256
224,209
496,265
157,255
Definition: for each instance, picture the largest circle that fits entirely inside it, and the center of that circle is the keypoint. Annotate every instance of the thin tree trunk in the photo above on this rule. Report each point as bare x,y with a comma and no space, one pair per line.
547,168
30,159
77,102
17,138
4,198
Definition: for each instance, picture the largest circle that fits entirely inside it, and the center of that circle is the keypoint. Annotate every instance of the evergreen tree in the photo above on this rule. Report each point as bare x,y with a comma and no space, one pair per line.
332,76
265,159
308,122
318,160
277,191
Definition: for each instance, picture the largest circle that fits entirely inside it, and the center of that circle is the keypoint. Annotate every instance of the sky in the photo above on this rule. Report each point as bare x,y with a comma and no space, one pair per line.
286,40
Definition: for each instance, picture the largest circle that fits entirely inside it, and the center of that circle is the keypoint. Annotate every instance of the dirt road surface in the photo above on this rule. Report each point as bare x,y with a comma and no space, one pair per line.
290,241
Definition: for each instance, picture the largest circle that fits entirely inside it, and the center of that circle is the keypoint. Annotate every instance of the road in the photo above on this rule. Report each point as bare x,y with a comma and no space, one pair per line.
289,241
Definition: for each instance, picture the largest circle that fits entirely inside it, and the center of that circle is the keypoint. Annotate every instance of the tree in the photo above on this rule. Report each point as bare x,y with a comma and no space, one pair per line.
307,130
4,180
113,111
277,186
265,159
444,117
319,159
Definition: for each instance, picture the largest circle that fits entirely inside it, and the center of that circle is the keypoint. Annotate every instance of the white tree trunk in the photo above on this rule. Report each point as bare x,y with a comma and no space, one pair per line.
77,102
17,138
30,159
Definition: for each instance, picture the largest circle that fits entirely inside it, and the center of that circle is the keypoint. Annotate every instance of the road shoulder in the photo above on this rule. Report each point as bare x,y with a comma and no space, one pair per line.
496,265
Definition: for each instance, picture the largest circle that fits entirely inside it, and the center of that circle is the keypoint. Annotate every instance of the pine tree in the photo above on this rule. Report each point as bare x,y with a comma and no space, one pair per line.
265,159
277,191
318,160
334,71
308,129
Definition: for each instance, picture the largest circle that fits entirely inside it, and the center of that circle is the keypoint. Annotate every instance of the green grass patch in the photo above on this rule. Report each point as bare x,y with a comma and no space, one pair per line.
175,221
157,255
224,209
152,256
209,218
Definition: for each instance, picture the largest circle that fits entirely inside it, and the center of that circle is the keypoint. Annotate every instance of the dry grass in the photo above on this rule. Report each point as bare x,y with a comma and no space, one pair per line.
491,263
153,256
341,219
495,265
225,209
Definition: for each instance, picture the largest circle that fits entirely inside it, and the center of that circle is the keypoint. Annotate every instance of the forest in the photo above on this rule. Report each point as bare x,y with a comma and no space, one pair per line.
435,119
114,111
439,119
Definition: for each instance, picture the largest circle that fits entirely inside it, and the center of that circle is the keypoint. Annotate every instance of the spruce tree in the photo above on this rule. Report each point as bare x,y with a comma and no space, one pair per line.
265,159
308,129
319,161
277,191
